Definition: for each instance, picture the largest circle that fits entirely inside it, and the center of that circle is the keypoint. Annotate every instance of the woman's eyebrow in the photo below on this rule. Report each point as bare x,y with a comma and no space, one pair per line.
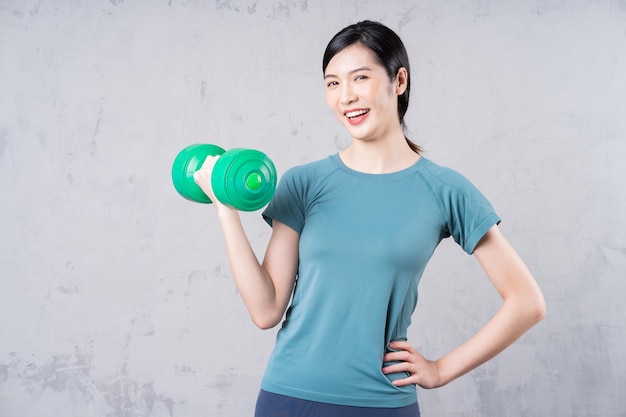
351,72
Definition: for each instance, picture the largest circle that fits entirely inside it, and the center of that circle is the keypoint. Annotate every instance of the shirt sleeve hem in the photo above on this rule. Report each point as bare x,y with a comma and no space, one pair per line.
479,232
292,224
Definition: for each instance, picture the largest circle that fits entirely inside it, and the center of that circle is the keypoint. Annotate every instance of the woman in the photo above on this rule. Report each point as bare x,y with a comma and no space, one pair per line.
357,229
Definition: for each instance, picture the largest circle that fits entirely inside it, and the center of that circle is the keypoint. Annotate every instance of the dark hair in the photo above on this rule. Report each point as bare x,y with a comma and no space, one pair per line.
388,50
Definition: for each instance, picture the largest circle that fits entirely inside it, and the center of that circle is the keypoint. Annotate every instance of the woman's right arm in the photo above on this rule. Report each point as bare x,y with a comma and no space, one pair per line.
265,288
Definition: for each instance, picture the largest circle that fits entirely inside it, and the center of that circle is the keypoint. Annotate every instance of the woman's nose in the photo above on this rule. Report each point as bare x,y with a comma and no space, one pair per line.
348,96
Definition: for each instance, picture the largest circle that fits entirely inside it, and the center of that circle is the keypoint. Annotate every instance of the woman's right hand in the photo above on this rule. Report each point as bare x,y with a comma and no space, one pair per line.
202,178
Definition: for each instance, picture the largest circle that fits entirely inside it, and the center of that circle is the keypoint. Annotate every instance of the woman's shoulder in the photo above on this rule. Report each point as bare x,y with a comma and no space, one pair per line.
441,176
311,170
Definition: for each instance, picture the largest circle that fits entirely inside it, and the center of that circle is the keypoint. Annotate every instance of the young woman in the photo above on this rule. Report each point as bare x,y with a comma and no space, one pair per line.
351,236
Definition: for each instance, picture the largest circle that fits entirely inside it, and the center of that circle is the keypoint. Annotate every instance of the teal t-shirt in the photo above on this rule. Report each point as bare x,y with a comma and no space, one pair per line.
365,240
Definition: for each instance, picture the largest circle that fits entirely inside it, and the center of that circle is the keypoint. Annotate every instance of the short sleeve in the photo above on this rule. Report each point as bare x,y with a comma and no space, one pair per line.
287,204
468,213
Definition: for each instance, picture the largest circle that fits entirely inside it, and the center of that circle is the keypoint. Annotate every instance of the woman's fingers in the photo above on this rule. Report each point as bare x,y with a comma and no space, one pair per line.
421,371
202,177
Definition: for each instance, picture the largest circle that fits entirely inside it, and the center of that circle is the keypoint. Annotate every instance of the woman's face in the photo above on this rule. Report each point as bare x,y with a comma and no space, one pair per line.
361,95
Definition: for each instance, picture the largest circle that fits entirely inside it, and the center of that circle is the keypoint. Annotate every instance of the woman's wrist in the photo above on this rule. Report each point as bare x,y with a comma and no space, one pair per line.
225,212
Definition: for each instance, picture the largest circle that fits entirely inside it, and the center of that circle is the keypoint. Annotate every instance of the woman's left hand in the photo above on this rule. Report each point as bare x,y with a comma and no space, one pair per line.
422,372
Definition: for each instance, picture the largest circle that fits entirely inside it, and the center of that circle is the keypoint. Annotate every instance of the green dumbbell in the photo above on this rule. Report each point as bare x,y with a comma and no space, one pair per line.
244,179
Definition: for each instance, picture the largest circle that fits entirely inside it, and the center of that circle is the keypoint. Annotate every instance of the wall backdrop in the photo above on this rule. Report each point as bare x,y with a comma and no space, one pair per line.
115,294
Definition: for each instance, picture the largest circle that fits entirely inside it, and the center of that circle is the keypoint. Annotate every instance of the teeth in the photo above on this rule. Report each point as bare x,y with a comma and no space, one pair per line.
356,113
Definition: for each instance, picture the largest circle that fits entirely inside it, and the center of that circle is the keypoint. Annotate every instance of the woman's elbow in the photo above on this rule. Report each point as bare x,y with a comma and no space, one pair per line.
540,308
536,308
265,322
529,308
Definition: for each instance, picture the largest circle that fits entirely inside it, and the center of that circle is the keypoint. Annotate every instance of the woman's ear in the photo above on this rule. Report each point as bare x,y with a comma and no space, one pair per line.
402,80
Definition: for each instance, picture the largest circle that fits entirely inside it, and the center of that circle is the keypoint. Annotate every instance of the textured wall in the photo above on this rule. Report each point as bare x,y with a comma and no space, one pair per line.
115,295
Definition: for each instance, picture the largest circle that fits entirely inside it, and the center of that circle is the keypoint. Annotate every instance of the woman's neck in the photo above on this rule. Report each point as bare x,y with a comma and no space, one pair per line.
374,157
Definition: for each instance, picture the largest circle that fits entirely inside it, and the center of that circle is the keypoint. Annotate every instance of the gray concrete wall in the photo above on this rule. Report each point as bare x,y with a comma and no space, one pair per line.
115,295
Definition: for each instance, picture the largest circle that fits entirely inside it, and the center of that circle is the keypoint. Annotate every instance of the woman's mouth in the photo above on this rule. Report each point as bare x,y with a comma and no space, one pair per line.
356,116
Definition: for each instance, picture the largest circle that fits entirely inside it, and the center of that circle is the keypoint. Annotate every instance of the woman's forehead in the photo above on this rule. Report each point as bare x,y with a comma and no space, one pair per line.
351,58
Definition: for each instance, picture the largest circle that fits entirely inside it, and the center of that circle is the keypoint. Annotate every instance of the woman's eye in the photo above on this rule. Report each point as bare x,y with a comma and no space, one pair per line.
331,84
360,77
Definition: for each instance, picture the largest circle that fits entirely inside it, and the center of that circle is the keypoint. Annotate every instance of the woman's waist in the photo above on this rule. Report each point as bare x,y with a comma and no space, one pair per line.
347,371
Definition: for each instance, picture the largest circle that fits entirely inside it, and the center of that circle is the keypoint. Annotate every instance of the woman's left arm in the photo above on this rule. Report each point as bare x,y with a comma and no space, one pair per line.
523,306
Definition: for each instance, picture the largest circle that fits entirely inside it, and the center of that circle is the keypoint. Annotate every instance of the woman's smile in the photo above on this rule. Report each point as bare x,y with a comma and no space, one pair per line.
355,117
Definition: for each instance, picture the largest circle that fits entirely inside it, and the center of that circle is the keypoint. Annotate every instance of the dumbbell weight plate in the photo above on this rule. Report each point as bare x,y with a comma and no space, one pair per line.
244,179
186,163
